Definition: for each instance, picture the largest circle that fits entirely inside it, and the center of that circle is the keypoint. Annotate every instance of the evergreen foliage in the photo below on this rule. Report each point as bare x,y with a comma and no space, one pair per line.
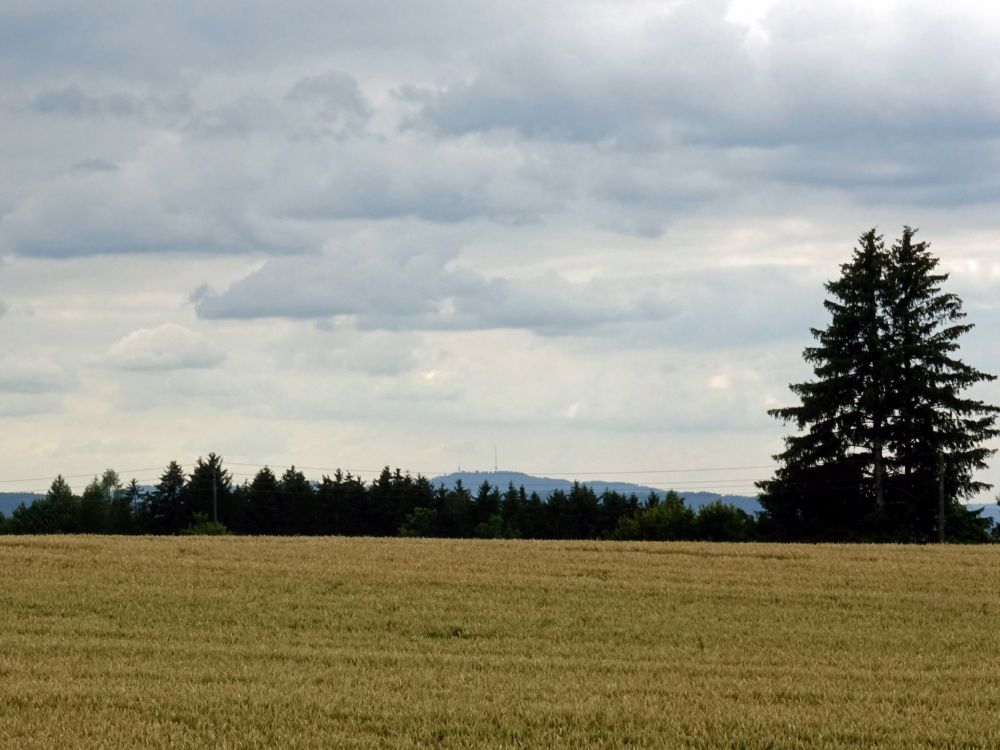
207,491
884,417
202,525
395,503
95,508
165,510
57,513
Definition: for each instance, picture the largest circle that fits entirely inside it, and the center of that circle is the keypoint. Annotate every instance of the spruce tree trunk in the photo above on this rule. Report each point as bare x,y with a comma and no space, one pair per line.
941,497
879,471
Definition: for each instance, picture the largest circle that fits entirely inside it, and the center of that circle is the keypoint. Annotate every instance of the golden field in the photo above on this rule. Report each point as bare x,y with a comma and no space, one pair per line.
110,642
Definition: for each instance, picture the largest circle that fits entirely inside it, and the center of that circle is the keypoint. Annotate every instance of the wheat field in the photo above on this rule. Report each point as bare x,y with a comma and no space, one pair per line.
111,642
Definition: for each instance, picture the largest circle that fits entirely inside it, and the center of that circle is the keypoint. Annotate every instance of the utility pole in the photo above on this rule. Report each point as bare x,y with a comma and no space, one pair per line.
215,493
941,497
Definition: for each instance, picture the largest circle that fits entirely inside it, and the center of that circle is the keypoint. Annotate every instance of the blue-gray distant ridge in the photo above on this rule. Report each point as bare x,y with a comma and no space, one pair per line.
10,500
545,486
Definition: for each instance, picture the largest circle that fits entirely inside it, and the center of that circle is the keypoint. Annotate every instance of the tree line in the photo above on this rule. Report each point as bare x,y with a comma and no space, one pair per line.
395,503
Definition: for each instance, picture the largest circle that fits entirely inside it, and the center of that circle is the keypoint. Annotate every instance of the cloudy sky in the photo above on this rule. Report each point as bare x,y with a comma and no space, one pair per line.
590,233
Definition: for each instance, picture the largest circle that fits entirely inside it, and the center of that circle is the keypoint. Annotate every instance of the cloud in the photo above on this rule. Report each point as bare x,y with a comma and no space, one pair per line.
408,175
72,101
838,96
3,308
336,93
689,75
167,199
46,36
423,292
75,102
94,165
33,374
231,183
241,118
620,119
341,347
167,347
14,405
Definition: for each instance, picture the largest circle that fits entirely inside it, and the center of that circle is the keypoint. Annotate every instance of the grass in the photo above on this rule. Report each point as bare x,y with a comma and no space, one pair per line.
389,643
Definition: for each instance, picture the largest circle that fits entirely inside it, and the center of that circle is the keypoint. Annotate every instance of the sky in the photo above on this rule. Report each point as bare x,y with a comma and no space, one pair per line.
581,238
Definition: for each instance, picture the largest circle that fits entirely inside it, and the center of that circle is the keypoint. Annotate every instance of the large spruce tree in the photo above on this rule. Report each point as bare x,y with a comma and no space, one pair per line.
884,418
937,432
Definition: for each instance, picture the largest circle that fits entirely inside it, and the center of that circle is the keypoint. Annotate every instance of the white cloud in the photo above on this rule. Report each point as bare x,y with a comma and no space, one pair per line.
424,292
167,347
28,373
13,406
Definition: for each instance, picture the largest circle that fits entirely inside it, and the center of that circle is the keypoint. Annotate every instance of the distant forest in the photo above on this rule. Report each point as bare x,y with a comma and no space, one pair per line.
394,504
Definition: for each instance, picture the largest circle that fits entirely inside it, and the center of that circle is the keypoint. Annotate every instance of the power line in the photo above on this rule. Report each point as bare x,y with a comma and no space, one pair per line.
424,472
77,476
534,478
657,471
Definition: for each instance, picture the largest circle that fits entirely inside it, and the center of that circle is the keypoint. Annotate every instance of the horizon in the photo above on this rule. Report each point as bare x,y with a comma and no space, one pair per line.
240,472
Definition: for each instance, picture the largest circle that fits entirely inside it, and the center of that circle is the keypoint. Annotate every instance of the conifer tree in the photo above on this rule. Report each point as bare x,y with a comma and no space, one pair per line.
884,415
298,495
830,480
166,513
95,507
937,430
207,491
265,502
61,509
138,506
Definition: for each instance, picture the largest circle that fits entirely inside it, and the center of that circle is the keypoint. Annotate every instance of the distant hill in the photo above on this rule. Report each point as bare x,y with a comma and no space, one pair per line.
10,500
545,486
990,510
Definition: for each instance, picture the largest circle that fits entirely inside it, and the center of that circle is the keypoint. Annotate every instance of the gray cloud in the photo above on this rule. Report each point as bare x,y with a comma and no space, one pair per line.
29,374
75,102
792,110
692,76
72,101
14,405
343,348
421,292
46,36
660,116
243,117
744,307
371,177
41,38
94,165
166,347
168,200
337,93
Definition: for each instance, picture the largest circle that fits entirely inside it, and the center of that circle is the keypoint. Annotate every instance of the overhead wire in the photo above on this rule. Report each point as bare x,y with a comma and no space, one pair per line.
532,479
